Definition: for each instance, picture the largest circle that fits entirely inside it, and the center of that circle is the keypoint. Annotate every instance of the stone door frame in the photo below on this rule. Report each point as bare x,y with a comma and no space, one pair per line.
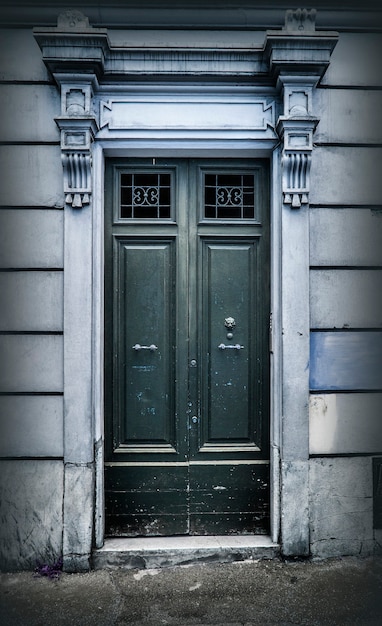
271,118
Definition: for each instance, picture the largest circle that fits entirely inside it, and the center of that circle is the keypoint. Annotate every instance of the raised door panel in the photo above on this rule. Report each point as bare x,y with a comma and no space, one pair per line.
143,346
228,345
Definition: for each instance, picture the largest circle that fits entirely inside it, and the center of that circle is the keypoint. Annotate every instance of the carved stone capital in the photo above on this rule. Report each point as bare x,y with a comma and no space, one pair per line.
298,57
78,126
297,136
296,128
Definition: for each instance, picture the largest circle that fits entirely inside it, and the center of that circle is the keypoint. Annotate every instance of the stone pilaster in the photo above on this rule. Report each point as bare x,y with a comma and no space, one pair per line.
298,57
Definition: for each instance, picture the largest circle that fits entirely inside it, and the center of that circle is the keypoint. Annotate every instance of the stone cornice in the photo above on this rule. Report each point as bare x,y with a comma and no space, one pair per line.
70,49
74,46
92,51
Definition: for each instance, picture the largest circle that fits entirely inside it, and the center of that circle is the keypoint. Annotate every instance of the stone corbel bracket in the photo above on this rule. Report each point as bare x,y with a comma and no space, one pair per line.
78,126
295,128
298,58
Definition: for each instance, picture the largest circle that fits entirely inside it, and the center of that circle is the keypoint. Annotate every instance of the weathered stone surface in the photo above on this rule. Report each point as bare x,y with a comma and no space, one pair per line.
346,175
294,508
348,116
31,176
31,426
341,506
345,298
345,423
31,513
78,353
159,552
355,61
20,57
31,238
295,333
78,516
31,363
31,301
192,39
28,112
345,237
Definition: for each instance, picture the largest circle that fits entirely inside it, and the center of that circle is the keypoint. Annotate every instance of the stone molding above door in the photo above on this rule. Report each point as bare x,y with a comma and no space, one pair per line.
259,82
75,46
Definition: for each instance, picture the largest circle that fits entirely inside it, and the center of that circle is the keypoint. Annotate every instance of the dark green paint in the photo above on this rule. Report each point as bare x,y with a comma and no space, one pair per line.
172,282
145,378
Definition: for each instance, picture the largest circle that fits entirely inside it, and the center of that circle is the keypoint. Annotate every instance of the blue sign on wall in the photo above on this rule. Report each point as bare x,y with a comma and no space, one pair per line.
347,361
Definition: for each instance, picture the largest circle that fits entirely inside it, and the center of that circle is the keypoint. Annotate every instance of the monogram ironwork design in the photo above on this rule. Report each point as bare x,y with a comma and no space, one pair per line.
145,195
229,196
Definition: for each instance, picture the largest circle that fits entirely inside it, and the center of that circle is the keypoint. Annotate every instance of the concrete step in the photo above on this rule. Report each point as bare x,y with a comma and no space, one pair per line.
158,552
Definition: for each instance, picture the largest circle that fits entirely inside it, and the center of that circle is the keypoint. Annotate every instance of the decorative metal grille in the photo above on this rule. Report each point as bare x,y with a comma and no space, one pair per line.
146,196
229,196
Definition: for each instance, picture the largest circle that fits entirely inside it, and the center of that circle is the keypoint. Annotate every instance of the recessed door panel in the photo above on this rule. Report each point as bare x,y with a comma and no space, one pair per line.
186,355
143,340
229,291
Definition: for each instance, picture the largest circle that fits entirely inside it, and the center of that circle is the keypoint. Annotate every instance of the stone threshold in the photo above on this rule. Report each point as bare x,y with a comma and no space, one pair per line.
159,552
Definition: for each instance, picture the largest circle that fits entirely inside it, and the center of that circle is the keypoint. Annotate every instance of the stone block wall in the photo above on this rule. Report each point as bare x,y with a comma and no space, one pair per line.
345,305
31,317
345,299
341,507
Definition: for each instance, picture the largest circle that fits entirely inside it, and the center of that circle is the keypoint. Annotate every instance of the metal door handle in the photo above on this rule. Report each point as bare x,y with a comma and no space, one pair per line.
235,346
138,347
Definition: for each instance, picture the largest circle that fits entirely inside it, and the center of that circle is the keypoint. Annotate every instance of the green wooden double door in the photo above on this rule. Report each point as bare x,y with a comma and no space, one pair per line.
186,347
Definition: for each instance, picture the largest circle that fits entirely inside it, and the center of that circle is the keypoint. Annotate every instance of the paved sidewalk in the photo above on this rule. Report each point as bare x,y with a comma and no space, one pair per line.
345,591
